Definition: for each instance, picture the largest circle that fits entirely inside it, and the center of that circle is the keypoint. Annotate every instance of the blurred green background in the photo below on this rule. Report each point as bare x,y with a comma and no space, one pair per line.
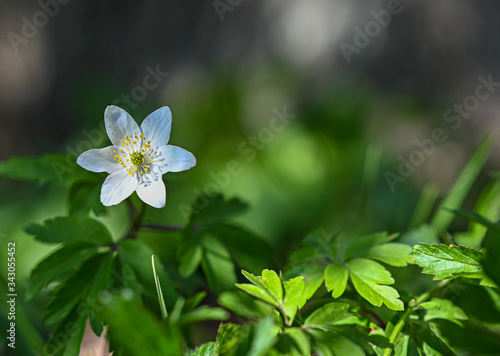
229,73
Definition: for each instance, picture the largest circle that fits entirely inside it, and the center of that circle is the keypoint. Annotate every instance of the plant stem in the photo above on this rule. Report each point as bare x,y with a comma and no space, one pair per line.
409,311
136,224
162,227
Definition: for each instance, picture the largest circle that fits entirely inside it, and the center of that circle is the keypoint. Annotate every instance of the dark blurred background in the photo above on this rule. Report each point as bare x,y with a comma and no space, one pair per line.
362,87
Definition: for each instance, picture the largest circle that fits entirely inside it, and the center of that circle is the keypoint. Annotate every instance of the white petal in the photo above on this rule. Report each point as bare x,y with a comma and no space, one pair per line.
99,160
119,124
156,126
153,194
175,159
117,187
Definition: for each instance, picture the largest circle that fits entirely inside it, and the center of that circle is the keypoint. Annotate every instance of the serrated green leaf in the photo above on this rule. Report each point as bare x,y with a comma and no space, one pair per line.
361,246
272,283
258,292
228,337
45,169
65,229
57,263
217,265
394,254
328,315
138,256
336,275
208,349
370,280
294,297
300,339
446,262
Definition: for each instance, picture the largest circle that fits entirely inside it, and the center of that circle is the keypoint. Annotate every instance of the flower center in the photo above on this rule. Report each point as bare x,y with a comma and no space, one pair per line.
137,158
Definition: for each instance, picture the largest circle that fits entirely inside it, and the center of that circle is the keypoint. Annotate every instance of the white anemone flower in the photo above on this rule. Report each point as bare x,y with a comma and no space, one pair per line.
138,158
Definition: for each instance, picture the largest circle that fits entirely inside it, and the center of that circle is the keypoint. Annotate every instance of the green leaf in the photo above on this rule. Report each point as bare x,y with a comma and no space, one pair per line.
446,262
294,297
370,280
228,337
259,293
425,341
249,251
74,290
446,310
301,340
328,315
394,254
265,337
244,305
361,246
335,344
217,265
208,349
336,279
430,305
443,218
190,260
65,229
272,283
125,316
401,345
266,287
99,285
85,197
57,263
138,255
203,313
491,262
68,334
215,209
467,339
45,169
